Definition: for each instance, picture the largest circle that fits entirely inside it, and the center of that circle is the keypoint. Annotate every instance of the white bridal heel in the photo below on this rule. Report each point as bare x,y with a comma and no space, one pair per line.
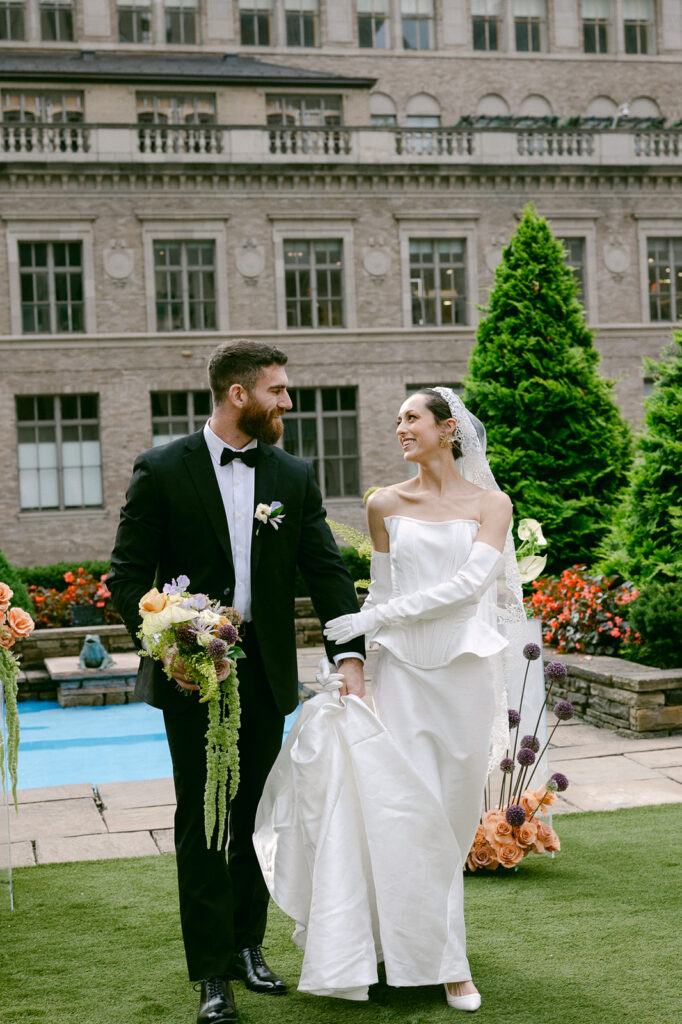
470,1002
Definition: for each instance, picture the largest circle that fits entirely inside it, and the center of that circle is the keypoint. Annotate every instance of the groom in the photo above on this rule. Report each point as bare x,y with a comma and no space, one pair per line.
190,510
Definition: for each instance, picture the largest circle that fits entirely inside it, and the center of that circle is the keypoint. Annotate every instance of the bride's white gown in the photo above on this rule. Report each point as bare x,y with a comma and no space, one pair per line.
366,819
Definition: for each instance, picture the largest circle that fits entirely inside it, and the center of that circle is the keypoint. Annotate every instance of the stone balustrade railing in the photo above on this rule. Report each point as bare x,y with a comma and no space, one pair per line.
167,144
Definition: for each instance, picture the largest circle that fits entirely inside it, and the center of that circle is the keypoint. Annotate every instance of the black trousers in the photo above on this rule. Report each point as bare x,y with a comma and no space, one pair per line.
223,900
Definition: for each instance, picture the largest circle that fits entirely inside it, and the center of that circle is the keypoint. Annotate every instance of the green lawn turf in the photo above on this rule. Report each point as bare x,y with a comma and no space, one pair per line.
591,937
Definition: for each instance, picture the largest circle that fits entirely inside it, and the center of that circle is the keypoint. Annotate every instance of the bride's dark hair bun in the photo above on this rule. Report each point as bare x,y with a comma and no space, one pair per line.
437,405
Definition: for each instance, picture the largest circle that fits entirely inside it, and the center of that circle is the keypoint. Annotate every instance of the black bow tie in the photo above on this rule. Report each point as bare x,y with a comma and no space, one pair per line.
248,457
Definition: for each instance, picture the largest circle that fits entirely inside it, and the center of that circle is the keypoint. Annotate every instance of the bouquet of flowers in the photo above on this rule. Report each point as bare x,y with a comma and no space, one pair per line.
191,634
514,827
15,624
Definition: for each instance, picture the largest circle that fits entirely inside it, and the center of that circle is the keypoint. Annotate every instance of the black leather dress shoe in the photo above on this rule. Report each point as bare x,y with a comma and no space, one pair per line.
251,968
217,1002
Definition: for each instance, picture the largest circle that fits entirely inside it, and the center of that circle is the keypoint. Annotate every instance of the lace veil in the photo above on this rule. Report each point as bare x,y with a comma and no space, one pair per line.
511,617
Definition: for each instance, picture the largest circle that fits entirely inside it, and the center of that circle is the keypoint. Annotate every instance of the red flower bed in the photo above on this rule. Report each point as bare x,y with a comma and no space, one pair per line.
53,607
583,613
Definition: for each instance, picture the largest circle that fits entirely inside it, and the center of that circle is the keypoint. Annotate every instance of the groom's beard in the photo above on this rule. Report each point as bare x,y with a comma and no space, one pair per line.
263,424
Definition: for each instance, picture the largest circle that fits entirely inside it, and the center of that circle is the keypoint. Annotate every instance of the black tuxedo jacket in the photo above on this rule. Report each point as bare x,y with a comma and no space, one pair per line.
174,522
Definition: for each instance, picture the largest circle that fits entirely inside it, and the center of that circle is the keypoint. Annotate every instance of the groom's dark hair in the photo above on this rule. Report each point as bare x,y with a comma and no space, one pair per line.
240,362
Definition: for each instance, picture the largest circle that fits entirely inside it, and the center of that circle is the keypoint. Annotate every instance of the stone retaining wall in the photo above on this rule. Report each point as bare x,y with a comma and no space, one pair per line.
635,700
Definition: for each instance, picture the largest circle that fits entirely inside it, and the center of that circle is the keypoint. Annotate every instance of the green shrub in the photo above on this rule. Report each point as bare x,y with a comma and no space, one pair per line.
10,575
656,615
556,441
357,565
52,576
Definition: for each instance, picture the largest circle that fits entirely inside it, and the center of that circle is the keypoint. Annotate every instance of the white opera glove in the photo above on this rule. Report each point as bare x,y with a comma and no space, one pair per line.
468,585
380,588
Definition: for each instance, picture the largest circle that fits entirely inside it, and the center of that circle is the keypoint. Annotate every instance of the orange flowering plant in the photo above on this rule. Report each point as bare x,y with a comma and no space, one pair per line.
584,613
15,624
53,607
514,827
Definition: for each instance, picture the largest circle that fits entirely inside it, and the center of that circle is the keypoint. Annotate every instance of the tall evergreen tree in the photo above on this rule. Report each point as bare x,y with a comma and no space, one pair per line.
556,441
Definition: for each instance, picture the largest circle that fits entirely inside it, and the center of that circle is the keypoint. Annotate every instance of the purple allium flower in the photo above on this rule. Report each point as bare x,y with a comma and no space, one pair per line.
514,718
564,710
532,652
227,633
526,756
531,741
216,649
561,781
186,634
555,672
507,765
515,815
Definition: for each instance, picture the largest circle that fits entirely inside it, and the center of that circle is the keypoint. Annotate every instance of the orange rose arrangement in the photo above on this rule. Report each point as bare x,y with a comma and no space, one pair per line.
514,828
15,624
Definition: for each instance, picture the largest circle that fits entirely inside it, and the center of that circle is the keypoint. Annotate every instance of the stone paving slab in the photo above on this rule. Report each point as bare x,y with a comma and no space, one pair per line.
598,770
673,773
132,819
48,793
102,847
637,793
148,793
666,758
77,817
163,837
22,855
621,745
581,733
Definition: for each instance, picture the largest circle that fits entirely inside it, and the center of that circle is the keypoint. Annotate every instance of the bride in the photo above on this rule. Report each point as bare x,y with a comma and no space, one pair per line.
366,819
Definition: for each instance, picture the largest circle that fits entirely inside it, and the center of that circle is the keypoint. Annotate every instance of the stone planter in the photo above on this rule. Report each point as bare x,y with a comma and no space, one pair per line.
86,615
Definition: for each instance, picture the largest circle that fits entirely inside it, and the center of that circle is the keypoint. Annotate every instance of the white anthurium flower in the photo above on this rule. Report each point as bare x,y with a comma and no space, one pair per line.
531,567
531,528
156,622
209,618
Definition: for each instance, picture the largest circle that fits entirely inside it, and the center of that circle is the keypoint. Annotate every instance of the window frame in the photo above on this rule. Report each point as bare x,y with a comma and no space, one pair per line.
436,227
301,13
371,17
194,420
529,20
136,8
319,415
58,6
6,9
653,227
596,22
256,9
429,19
305,230
675,293
572,226
184,8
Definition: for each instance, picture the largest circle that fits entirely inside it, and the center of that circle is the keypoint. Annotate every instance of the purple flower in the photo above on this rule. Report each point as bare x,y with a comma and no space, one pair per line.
555,672
183,582
507,765
228,633
514,718
198,602
177,585
216,649
186,634
564,710
561,781
551,786
532,652
515,815
531,741
525,756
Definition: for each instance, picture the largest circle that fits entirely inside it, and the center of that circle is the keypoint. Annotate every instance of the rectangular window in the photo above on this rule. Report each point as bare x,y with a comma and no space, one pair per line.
383,120
486,19
170,109
530,25
575,259
51,282
322,427
438,281
134,21
302,22
418,24
313,282
42,107
639,26
304,111
60,461
665,278
373,24
177,413
185,286
597,26
57,21
12,19
182,21
255,20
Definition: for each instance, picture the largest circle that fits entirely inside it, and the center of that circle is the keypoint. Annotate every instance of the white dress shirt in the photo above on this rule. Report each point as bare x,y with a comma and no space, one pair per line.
236,482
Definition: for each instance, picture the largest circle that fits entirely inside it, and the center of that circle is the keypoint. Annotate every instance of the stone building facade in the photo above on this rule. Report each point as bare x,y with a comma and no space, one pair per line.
338,178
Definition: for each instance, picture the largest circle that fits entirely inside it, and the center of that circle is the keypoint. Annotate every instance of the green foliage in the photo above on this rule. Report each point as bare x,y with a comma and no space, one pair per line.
357,565
656,616
556,441
646,540
52,576
10,575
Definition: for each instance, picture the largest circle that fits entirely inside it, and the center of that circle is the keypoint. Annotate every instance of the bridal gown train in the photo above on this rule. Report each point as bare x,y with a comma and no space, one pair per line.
366,819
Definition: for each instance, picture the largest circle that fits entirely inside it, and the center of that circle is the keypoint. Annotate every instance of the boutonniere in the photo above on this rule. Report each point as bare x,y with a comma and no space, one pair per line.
273,514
